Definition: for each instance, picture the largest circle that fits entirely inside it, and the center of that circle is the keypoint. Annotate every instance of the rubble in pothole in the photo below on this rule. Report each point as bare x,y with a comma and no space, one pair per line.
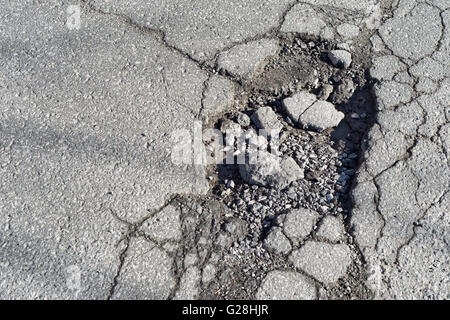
325,156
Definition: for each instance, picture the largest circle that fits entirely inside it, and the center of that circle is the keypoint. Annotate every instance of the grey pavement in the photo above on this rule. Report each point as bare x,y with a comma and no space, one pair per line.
407,246
95,94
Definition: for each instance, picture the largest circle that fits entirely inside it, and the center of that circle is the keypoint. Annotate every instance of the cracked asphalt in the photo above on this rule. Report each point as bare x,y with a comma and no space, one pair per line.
93,205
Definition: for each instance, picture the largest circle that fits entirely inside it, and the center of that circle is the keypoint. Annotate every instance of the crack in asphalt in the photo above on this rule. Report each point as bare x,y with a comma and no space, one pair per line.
122,257
160,35
416,225
417,137
275,33
205,88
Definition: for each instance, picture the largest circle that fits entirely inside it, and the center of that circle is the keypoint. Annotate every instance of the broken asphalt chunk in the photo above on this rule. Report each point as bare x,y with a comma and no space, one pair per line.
271,171
306,111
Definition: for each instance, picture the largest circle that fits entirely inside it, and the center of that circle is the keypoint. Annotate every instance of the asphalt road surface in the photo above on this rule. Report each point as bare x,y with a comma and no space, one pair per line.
104,190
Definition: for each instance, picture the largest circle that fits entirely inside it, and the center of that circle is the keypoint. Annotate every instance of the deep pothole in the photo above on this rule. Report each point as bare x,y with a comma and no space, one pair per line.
329,159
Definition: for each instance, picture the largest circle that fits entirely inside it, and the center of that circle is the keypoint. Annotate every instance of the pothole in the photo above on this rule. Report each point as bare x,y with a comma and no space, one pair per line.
328,158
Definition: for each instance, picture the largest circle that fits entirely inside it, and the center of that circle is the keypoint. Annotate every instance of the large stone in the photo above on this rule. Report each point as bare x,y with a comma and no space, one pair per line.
320,116
297,104
305,110
340,58
270,170
265,118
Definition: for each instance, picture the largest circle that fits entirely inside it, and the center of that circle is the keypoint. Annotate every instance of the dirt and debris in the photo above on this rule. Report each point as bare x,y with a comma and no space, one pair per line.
329,160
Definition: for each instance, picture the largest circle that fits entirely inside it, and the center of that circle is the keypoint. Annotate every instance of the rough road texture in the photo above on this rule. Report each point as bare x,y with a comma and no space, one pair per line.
402,200
93,207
